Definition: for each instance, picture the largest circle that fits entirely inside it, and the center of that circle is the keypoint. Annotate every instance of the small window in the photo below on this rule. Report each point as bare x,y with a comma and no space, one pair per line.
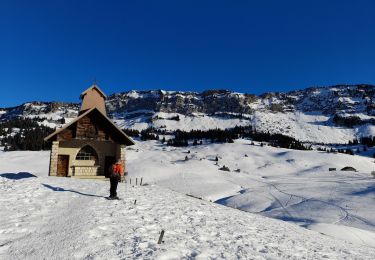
87,153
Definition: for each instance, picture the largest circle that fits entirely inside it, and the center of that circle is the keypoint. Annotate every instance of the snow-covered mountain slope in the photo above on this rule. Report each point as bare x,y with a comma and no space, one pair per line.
51,114
308,127
60,218
335,114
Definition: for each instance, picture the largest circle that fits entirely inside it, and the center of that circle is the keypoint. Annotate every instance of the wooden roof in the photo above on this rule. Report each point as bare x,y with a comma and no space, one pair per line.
119,136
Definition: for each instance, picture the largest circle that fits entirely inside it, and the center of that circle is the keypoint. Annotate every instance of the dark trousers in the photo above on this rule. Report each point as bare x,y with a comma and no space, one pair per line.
113,190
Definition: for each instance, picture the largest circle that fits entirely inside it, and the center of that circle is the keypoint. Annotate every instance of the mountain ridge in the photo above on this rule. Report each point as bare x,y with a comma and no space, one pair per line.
343,112
264,94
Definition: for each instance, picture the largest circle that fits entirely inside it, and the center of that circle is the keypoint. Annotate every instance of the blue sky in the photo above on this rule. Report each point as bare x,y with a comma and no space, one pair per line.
52,50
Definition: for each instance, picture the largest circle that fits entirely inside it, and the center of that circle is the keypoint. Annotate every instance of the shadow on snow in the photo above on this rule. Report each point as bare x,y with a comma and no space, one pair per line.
17,176
365,191
74,191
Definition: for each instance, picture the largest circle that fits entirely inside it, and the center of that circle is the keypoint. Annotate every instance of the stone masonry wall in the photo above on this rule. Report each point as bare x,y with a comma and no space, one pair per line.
53,158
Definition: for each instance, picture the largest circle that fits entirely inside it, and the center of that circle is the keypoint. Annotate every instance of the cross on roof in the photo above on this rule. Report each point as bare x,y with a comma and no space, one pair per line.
95,81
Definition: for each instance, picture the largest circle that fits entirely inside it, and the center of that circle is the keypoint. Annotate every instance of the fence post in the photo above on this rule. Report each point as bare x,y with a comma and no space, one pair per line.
136,181
141,181
161,236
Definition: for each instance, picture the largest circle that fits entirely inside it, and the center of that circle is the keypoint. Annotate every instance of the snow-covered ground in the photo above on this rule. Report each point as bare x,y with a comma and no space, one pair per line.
291,185
50,217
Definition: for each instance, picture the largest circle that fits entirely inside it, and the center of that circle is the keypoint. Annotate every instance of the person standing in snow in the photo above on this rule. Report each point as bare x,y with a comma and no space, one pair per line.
115,178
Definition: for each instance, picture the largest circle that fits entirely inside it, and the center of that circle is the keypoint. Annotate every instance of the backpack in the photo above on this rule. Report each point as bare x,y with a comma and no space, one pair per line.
116,171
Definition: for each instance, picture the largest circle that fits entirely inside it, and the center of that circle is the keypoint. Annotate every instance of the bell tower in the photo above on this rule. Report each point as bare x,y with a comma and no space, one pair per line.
93,97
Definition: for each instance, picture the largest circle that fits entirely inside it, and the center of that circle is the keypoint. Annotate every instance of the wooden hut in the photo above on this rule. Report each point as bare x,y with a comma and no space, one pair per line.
88,145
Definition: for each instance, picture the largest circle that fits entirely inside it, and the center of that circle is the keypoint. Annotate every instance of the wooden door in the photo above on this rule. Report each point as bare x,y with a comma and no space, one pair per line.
109,161
62,165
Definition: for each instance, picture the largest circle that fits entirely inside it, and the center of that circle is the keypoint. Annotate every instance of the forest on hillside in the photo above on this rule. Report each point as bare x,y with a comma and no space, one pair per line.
24,134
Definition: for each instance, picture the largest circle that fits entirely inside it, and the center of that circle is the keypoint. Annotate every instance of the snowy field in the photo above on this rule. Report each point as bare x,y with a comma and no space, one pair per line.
63,218
290,185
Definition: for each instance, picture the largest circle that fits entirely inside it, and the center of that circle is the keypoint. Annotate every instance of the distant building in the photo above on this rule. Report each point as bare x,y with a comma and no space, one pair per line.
91,143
